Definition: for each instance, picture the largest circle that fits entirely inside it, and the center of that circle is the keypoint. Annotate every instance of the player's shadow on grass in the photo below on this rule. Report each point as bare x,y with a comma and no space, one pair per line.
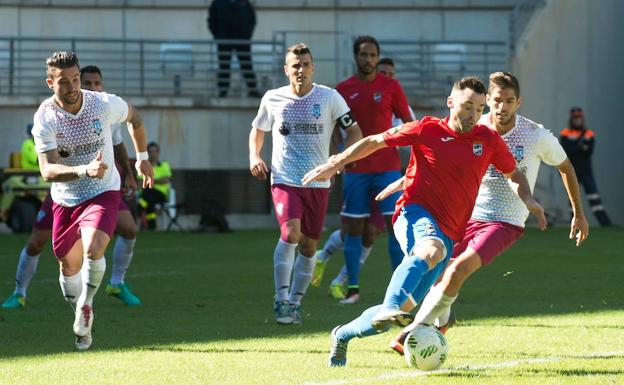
200,288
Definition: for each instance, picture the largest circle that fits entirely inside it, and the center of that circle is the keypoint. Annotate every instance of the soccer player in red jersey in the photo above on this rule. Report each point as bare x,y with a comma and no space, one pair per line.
373,99
452,155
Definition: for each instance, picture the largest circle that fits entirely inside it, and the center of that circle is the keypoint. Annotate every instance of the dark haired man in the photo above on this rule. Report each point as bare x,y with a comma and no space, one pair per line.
452,155
302,117
72,132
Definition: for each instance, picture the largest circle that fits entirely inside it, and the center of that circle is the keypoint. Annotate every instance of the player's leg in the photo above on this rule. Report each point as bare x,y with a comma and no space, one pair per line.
224,53
387,207
243,51
333,244
123,252
595,201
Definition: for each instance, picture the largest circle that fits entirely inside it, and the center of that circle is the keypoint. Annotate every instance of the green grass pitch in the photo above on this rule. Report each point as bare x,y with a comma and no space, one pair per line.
544,313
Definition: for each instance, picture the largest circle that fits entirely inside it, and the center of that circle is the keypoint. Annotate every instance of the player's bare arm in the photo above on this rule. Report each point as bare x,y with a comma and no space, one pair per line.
52,171
257,167
521,186
359,150
390,189
579,228
121,157
354,134
139,138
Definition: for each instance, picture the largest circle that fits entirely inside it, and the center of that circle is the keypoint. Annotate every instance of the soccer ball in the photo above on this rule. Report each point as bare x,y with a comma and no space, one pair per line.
425,348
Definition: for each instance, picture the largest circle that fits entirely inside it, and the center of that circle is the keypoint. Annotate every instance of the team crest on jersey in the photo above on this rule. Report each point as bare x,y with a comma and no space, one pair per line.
477,148
316,110
377,97
519,153
97,126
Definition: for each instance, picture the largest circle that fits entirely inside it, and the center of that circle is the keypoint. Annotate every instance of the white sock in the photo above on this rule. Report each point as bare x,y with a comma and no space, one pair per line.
434,304
304,267
342,277
71,287
122,256
444,317
92,275
283,260
333,244
26,269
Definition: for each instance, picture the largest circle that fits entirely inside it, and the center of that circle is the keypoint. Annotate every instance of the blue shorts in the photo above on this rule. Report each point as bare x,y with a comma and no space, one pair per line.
413,225
360,187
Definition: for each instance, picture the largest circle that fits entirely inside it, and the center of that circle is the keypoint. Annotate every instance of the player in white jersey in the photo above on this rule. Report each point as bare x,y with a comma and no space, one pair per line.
499,215
302,116
91,79
72,133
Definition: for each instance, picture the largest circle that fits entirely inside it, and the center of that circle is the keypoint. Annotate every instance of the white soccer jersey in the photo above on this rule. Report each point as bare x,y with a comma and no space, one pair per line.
530,143
78,138
116,130
302,129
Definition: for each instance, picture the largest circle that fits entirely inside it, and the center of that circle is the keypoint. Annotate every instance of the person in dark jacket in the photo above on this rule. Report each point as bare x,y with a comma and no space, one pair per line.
233,20
578,143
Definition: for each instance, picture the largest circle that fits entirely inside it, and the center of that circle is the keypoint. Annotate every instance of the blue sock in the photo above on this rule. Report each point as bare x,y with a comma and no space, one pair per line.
404,281
361,326
394,249
352,253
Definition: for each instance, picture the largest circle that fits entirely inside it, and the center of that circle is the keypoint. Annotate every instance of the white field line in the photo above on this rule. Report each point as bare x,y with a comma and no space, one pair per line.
499,365
129,275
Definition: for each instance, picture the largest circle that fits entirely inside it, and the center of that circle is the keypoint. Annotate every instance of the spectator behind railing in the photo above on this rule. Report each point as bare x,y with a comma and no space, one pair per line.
153,199
233,20
29,159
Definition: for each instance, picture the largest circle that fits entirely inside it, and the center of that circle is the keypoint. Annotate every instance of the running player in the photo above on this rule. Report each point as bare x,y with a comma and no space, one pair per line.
91,79
499,216
452,156
373,225
373,98
72,132
302,116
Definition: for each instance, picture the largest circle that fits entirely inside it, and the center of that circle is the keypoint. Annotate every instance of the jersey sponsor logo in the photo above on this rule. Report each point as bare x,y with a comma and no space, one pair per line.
447,139
354,95
377,97
97,126
477,148
316,110
519,153
303,128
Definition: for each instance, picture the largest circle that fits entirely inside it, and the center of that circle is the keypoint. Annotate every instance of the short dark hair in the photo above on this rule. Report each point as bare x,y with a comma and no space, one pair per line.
299,49
471,82
153,144
387,61
504,80
61,60
364,39
90,69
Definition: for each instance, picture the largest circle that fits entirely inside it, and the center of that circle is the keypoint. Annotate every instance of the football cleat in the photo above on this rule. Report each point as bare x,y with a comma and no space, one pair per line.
295,314
83,320
338,353
282,313
84,342
353,295
391,317
336,290
319,270
15,301
123,292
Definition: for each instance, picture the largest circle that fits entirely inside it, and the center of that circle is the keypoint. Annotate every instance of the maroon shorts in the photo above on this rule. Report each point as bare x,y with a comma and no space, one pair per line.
304,203
99,212
488,239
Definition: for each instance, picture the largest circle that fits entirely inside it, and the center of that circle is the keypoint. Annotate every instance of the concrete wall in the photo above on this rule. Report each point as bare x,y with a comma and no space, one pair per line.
573,54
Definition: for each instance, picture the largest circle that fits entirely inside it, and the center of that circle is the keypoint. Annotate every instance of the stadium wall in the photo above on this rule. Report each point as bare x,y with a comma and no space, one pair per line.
572,55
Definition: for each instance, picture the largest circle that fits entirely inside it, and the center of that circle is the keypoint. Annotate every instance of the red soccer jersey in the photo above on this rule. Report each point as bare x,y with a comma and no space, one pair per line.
446,168
372,105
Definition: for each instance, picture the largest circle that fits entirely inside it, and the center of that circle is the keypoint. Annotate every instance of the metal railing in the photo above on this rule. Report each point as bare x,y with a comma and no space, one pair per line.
190,68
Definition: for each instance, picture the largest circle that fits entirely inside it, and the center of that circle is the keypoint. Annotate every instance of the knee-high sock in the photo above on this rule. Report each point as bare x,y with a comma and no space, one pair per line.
283,260
361,326
435,304
404,281
92,274
71,287
394,249
333,244
302,275
342,276
122,256
352,253
26,269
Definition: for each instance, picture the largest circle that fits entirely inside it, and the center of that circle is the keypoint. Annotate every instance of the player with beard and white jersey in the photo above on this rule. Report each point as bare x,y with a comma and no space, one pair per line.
499,216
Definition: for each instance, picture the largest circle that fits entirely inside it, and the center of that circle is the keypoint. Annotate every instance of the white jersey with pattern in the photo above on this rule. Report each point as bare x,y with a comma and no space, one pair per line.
78,138
302,129
530,143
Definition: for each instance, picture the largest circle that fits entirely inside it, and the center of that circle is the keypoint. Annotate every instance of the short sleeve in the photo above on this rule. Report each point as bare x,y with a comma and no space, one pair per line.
339,106
116,131
502,159
550,150
43,135
406,134
118,112
400,106
263,119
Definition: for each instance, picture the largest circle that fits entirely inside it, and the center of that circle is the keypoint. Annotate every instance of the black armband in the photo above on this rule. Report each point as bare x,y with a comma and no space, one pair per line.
346,121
